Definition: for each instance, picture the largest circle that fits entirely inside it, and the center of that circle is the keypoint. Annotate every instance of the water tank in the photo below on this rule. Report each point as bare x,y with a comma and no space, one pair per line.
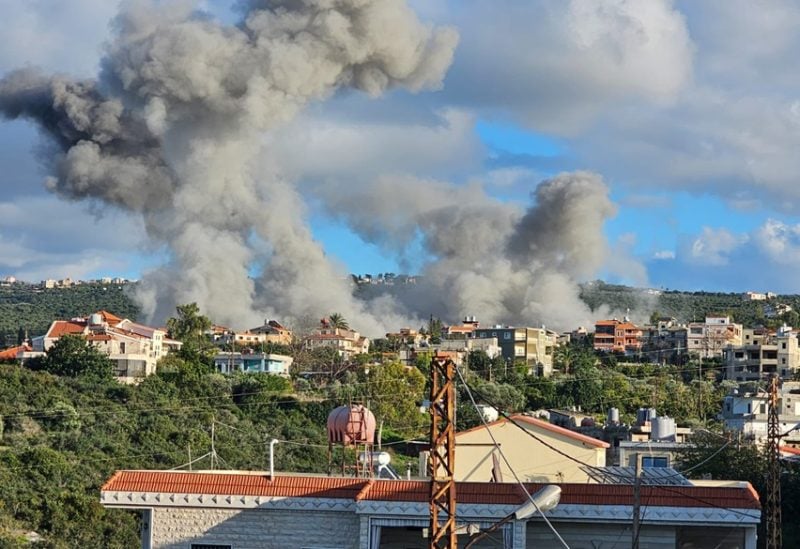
489,413
587,422
663,429
95,319
613,416
349,425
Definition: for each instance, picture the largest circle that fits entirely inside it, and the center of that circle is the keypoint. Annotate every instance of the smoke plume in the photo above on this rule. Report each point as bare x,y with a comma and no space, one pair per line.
169,130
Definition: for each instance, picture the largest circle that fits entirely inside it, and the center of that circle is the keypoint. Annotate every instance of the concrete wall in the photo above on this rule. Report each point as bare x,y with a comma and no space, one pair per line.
179,527
532,461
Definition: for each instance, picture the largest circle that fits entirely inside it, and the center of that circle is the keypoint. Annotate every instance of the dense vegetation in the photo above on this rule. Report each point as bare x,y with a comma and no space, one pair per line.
686,306
29,309
66,426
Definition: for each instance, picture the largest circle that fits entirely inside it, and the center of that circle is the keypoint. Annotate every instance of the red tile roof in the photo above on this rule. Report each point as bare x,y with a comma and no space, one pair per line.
110,318
12,352
258,484
65,327
547,426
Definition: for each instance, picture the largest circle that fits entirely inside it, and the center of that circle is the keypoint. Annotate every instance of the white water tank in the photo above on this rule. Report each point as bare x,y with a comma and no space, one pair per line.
95,319
663,429
613,416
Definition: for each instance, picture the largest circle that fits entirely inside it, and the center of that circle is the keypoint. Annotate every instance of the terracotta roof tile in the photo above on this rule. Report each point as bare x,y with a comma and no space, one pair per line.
65,327
257,484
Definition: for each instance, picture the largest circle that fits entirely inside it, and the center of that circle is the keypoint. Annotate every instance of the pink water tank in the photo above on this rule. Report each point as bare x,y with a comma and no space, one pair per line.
351,425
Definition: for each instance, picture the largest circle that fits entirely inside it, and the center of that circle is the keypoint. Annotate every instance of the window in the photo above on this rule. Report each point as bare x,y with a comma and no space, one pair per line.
210,546
651,461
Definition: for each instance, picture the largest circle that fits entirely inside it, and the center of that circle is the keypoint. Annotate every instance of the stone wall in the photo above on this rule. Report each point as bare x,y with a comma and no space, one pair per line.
179,527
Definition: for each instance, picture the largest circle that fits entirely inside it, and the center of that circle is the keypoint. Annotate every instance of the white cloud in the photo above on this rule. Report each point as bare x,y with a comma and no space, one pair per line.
556,65
664,254
714,246
780,242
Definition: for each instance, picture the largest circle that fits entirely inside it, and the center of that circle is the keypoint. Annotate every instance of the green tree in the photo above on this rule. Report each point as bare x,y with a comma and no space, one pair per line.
190,328
336,320
395,394
73,356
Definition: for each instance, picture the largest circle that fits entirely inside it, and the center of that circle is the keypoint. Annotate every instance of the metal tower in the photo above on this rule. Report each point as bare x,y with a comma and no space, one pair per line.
442,529
773,506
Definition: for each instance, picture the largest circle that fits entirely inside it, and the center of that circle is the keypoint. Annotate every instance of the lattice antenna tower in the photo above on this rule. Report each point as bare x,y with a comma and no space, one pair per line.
773,505
442,530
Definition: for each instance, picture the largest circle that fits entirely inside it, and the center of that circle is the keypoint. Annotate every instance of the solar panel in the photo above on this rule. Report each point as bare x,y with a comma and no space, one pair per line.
652,476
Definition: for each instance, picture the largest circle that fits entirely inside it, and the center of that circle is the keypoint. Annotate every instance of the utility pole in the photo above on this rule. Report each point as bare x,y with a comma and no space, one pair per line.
773,505
637,502
442,532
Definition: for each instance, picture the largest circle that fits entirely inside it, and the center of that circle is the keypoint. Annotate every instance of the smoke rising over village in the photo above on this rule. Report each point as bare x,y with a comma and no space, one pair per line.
171,130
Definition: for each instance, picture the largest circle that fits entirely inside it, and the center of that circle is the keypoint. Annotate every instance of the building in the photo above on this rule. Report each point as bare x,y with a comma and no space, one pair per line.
237,509
134,348
534,346
229,362
275,332
455,349
665,341
708,339
476,460
465,330
617,336
763,353
745,414
347,343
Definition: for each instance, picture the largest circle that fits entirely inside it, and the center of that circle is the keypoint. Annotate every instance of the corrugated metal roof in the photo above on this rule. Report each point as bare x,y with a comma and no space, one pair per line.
259,484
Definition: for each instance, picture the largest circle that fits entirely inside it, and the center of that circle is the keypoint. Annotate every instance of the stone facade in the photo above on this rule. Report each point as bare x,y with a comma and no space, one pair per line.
179,527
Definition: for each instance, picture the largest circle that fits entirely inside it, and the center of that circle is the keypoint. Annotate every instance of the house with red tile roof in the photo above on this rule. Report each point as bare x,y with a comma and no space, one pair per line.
533,447
134,348
347,343
238,509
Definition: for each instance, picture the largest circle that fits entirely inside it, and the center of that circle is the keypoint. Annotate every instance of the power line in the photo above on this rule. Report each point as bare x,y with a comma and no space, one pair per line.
508,464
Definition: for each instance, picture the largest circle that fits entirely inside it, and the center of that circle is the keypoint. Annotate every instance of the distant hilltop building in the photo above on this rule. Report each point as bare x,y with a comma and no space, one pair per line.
757,296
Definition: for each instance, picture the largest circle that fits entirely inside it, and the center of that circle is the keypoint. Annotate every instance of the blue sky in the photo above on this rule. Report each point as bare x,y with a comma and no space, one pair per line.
694,132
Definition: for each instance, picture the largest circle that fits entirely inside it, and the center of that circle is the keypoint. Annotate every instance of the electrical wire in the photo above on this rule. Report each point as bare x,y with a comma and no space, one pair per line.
508,464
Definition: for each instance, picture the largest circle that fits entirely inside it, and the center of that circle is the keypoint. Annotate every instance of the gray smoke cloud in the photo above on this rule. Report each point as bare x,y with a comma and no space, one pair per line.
490,259
170,130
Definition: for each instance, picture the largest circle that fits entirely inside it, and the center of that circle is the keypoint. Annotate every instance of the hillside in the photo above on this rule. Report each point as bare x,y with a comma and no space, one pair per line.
686,306
32,308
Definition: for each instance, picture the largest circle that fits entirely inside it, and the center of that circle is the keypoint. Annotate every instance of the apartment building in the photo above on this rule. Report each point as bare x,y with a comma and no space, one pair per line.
708,339
745,414
134,348
534,346
665,341
762,354
617,336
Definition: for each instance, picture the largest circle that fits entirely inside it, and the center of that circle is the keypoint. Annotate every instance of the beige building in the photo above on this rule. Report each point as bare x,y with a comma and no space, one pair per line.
534,461
762,354
708,339
348,343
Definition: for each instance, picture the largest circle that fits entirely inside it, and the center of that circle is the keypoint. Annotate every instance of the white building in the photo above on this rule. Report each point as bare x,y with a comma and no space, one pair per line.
134,348
237,509
745,414
708,339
